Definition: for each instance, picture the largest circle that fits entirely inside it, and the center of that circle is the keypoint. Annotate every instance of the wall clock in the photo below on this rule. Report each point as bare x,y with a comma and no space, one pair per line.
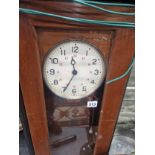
64,69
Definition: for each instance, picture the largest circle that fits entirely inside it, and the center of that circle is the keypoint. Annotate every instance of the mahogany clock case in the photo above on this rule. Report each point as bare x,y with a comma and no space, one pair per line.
38,34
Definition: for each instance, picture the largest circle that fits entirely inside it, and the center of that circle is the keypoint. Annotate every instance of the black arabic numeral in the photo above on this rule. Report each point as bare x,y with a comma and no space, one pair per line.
92,82
52,71
63,52
54,60
84,88
86,53
94,61
55,82
96,72
73,90
75,49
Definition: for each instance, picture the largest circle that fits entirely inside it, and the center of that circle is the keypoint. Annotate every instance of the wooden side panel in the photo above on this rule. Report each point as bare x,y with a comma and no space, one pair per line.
122,51
121,57
32,88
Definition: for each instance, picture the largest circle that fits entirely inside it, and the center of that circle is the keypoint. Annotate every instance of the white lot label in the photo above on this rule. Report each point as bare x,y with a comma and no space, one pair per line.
92,104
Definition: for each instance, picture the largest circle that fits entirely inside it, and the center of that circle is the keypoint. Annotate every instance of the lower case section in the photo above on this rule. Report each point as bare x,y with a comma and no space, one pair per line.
69,142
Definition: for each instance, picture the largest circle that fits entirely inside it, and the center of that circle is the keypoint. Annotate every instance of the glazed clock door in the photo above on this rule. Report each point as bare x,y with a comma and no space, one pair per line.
73,71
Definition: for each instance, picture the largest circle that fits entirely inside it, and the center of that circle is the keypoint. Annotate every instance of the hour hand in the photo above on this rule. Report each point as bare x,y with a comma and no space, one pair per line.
73,62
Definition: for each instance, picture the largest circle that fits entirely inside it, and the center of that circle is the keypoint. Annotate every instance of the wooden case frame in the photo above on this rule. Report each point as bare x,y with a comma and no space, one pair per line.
119,59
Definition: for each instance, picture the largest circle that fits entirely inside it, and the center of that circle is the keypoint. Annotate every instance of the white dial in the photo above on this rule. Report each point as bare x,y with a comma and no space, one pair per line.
73,69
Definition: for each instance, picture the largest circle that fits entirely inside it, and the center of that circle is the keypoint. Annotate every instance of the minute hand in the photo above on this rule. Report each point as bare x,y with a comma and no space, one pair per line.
68,83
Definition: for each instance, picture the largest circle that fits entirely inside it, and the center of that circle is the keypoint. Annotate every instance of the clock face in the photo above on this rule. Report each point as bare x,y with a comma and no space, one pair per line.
73,69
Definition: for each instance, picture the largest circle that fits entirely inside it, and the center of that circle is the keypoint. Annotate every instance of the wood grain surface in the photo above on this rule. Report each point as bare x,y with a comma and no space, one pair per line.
121,52
32,88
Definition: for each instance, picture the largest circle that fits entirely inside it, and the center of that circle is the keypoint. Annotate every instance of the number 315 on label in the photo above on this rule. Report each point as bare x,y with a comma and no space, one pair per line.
92,104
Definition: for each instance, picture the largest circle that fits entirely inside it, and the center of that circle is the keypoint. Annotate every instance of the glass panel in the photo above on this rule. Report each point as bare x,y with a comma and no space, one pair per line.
73,73
71,123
